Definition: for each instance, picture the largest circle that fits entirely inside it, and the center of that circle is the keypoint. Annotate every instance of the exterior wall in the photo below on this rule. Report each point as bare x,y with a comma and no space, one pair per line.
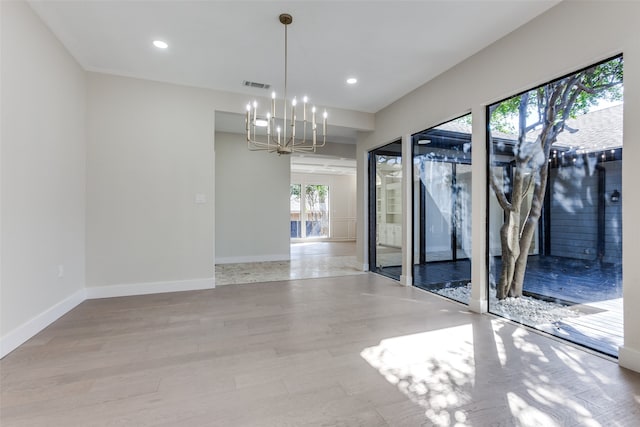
613,214
574,219
574,213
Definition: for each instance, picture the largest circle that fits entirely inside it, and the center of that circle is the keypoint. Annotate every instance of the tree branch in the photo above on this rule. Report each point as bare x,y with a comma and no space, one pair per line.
499,192
532,126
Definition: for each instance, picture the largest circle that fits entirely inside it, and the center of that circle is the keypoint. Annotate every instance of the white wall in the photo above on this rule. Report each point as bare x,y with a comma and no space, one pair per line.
252,202
148,149
347,151
43,176
567,37
342,202
150,152
130,224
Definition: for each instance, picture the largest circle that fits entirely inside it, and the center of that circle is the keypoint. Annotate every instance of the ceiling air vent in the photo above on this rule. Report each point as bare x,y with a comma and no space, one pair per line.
256,84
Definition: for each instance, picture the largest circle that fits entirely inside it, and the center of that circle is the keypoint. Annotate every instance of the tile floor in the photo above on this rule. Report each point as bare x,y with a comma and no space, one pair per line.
308,260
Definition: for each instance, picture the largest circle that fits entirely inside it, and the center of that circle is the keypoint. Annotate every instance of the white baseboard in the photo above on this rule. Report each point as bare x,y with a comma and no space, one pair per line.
149,288
629,358
30,328
253,258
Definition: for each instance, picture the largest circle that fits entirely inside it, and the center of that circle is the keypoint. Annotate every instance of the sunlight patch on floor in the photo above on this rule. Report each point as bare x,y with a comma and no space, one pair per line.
434,369
437,371
521,410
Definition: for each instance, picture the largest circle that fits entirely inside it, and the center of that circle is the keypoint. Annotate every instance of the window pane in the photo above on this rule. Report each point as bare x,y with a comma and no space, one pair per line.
294,207
442,209
555,207
316,198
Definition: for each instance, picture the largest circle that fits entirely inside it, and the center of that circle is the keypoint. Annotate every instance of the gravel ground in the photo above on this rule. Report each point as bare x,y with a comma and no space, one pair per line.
525,309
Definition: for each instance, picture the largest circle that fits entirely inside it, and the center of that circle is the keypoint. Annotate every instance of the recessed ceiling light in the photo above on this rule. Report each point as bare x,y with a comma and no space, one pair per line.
160,44
352,80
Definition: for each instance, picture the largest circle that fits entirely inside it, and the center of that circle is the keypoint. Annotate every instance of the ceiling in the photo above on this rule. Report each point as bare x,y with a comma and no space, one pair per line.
392,47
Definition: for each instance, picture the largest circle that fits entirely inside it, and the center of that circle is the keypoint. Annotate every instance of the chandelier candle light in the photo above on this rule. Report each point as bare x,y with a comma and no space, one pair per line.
278,139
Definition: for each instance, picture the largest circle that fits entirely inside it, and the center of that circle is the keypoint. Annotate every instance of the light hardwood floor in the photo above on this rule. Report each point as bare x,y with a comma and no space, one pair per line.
342,351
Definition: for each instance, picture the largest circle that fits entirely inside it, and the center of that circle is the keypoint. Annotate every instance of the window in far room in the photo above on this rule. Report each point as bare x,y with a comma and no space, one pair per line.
309,206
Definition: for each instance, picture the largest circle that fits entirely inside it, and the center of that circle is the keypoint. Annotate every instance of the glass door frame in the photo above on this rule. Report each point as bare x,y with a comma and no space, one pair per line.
372,201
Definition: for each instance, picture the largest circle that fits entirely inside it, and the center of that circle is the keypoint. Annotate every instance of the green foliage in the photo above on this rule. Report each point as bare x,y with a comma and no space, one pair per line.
601,82
294,191
316,193
504,116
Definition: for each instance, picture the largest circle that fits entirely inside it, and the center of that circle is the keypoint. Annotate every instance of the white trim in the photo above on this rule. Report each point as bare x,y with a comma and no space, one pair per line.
407,211
362,209
32,327
149,288
313,239
295,240
478,305
479,213
406,280
629,358
253,258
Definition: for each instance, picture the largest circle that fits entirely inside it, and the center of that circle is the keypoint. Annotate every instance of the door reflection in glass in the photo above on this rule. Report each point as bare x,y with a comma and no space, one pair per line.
442,209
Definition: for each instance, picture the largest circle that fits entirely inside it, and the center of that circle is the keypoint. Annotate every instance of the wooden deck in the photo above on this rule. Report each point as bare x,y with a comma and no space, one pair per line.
601,331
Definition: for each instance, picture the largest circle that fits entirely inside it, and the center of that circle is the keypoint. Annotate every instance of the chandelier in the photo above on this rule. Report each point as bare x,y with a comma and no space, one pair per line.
280,136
